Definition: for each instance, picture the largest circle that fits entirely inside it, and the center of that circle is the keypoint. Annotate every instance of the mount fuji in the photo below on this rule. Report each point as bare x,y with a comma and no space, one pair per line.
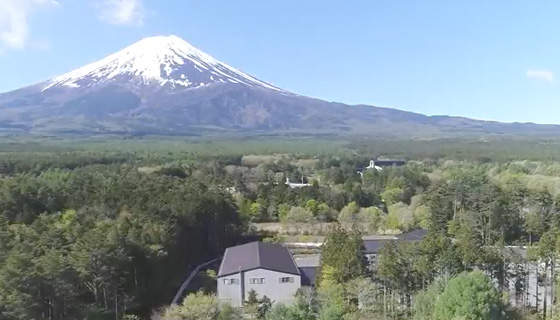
164,85
168,62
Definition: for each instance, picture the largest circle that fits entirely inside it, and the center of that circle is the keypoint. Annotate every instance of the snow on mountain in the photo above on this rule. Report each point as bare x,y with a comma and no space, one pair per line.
163,85
161,60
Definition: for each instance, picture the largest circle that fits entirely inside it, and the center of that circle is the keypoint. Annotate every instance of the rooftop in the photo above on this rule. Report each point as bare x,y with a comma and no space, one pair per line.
257,255
311,260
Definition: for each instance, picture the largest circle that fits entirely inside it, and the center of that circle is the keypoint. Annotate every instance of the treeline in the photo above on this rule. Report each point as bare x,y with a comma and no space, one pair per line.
336,190
504,195
488,149
104,241
104,234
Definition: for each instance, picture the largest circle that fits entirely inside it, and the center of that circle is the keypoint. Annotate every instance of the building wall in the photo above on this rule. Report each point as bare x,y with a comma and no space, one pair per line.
531,291
527,291
230,293
272,288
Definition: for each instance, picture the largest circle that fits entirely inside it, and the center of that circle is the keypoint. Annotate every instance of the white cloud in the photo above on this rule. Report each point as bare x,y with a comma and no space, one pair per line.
123,12
14,21
545,75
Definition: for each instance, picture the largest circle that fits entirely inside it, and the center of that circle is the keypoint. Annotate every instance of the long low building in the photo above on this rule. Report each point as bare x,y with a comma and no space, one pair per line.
372,243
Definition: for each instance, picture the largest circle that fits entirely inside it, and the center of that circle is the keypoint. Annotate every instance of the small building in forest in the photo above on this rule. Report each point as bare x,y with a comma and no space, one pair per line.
268,269
297,184
271,270
379,164
309,264
528,283
388,163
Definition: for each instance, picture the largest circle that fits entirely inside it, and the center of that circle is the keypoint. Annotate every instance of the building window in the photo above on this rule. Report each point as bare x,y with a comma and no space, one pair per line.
287,280
256,281
231,281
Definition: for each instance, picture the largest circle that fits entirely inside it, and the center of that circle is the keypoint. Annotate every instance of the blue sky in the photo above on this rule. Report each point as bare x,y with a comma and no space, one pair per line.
495,60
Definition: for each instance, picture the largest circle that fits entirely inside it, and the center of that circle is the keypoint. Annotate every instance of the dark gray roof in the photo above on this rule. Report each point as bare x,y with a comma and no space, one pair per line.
373,246
308,275
388,163
415,235
257,255
308,267
308,260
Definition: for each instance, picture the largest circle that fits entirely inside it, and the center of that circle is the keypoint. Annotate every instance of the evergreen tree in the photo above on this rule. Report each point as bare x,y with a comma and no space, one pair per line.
342,254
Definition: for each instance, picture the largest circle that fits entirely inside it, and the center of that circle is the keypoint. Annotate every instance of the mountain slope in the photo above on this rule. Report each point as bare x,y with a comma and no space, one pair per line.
163,85
164,61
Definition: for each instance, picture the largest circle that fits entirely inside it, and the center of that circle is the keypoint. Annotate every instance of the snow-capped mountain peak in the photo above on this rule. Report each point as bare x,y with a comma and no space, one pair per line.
160,60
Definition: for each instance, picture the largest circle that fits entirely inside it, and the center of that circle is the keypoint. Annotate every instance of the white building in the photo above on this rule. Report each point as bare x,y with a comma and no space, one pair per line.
268,269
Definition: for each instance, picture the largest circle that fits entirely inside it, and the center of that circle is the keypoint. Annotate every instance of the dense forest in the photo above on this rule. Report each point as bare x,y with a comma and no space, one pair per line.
110,229
85,236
